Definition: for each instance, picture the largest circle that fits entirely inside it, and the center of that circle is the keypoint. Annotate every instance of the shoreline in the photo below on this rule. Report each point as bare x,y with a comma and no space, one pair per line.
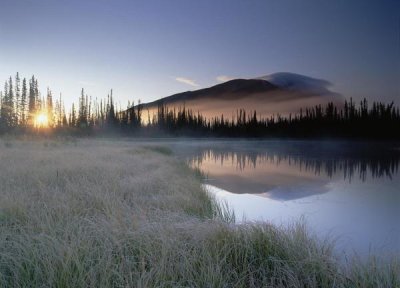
110,214
344,245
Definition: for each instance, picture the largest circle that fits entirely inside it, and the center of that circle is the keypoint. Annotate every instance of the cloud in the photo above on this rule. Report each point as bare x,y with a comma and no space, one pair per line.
187,81
224,78
293,81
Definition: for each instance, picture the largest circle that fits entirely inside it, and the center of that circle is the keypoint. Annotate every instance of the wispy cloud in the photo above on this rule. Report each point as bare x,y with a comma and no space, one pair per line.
224,78
187,81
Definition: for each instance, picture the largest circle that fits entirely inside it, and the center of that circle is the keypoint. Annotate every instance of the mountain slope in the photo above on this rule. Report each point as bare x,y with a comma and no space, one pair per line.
231,90
279,93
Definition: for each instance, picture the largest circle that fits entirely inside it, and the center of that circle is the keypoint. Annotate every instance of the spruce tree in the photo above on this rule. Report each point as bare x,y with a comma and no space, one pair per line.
64,116
32,101
111,119
10,104
82,110
22,105
49,106
2,123
4,107
17,99
37,96
72,121
59,111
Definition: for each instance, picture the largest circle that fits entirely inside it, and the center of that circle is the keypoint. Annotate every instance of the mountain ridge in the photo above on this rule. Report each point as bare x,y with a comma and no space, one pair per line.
279,93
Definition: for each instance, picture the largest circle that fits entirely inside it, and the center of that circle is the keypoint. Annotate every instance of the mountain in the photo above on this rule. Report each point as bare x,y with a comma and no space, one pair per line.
278,93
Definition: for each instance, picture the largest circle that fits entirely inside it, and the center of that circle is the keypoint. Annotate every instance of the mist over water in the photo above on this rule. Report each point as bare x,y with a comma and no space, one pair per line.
345,190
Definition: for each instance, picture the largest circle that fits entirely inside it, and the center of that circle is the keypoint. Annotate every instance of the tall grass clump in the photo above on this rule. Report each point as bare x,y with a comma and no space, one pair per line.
114,214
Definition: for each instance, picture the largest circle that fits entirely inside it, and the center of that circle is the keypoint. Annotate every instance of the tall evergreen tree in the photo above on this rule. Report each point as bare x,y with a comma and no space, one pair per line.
49,106
4,107
22,105
32,100
64,116
10,104
37,96
111,119
17,111
82,110
2,113
59,115
72,121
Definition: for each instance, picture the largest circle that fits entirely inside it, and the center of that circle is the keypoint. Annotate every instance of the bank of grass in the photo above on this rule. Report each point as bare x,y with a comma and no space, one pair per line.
116,214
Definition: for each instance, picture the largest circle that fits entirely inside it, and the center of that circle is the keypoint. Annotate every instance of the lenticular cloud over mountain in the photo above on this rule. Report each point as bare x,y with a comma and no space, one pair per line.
293,81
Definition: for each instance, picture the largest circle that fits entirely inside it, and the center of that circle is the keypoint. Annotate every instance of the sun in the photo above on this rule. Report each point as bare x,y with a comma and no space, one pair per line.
41,120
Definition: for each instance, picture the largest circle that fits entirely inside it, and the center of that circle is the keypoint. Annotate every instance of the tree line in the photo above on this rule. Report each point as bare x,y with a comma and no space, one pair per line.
351,161
376,121
23,109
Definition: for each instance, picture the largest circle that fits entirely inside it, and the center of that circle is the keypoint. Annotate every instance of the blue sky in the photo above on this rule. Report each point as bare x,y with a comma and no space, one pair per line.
150,49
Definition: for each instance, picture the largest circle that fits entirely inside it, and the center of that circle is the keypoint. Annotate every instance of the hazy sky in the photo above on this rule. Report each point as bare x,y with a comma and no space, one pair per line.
149,49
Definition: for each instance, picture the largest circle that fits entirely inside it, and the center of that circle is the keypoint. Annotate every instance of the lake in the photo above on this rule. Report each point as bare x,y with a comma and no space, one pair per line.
347,191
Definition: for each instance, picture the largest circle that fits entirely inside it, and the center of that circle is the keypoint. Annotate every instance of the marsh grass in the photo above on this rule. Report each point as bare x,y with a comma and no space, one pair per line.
116,214
160,149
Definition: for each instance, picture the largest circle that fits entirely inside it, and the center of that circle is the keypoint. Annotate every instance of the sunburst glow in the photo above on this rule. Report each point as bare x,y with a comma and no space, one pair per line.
41,120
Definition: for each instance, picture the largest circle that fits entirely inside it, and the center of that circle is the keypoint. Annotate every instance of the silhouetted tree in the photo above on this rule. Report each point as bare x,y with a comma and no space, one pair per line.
32,100
22,106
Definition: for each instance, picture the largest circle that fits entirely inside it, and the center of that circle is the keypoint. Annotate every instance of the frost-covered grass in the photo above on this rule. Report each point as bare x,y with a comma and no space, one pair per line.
93,213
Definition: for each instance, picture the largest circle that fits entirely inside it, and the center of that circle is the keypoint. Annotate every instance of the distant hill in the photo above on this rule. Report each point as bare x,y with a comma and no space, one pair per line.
279,93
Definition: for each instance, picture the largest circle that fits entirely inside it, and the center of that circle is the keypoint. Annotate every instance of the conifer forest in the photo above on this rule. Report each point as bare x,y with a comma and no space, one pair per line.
24,109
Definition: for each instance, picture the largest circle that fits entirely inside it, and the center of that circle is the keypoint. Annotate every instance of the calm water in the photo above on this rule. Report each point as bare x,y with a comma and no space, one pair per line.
347,191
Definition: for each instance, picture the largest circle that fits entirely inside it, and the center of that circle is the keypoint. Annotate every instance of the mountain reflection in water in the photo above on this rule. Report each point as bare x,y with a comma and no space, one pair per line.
288,170
344,189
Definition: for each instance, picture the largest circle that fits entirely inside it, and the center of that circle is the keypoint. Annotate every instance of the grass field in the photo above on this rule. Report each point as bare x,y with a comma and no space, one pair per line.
96,213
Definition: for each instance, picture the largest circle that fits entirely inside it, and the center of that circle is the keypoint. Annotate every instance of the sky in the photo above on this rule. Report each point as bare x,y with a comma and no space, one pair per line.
150,49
